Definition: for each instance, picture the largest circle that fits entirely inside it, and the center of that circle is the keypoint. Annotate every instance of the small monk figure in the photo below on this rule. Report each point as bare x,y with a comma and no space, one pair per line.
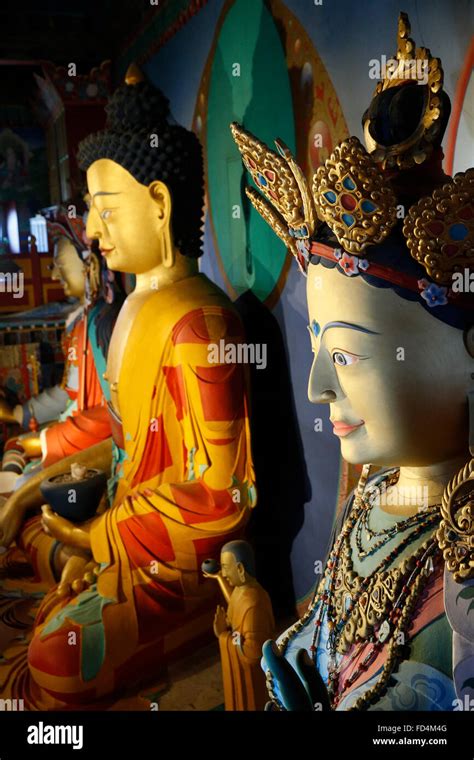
243,629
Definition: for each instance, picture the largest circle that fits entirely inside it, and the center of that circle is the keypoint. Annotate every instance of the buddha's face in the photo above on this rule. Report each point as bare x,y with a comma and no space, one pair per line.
126,217
68,269
396,378
231,570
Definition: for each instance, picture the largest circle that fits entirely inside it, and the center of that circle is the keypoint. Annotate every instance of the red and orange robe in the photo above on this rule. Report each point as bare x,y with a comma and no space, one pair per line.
87,423
186,487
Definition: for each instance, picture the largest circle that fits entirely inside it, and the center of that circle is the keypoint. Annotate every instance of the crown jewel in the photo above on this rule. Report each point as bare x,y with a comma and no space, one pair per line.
351,196
440,228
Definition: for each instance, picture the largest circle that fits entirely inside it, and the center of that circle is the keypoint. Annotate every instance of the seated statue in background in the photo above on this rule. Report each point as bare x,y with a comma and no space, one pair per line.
243,628
84,346
68,268
84,421
181,452
386,241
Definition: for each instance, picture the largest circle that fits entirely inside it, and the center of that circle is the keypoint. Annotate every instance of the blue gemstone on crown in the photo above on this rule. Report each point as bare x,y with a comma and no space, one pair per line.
316,328
368,207
348,220
262,181
348,183
458,231
330,196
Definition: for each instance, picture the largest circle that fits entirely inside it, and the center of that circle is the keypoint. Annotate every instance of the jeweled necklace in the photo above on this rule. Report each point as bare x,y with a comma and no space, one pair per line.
423,518
398,618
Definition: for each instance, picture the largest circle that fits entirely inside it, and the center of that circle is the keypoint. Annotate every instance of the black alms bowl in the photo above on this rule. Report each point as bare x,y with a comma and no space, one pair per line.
210,566
76,500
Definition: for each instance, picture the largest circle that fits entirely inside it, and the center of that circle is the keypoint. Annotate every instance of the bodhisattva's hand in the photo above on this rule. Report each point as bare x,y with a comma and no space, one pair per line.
65,531
298,688
220,621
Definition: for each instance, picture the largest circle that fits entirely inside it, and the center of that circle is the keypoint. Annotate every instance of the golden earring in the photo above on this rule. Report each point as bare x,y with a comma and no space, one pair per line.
456,530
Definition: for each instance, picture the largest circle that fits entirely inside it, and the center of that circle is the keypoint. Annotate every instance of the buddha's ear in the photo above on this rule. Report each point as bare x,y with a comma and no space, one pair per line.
469,340
162,198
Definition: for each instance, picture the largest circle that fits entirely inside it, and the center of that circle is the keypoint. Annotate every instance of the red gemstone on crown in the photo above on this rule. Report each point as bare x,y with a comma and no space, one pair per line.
435,228
466,213
450,249
270,175
348,202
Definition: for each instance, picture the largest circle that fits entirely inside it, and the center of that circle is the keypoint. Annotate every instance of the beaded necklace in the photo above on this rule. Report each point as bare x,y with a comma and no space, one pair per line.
408,582
386,534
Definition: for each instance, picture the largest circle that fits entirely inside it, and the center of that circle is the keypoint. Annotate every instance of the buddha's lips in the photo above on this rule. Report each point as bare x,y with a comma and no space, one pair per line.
105,251
343,428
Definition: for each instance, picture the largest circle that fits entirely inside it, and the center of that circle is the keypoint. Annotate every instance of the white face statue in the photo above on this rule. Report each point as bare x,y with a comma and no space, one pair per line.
396,378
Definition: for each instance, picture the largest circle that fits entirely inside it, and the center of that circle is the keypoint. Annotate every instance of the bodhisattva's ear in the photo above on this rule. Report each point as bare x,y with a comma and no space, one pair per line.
162,199
469,340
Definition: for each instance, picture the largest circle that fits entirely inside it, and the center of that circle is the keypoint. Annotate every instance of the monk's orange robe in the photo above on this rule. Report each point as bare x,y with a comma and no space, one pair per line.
186,487
250,615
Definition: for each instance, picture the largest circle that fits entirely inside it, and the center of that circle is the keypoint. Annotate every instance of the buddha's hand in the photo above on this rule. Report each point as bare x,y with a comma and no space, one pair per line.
298,688
63,530
11,519
79,572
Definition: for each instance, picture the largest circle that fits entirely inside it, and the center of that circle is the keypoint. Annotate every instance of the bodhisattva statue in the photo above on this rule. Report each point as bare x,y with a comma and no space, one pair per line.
243,628
180,429
390,626
85,420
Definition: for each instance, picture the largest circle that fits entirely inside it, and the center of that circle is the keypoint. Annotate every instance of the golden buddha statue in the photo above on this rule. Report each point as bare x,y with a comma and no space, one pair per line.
243,628
181,461
383,237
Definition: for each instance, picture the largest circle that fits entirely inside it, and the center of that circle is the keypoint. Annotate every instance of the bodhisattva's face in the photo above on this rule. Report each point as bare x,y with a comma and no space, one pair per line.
396,377
69,269
126,217
230,569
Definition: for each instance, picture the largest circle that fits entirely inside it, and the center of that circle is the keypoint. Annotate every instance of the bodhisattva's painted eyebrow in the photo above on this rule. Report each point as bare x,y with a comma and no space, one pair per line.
349,326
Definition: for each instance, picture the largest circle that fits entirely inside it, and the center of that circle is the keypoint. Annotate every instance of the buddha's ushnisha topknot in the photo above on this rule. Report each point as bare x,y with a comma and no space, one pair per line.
141,136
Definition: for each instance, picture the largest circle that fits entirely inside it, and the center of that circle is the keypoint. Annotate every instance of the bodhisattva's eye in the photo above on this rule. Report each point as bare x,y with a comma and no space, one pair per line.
105,214
343,359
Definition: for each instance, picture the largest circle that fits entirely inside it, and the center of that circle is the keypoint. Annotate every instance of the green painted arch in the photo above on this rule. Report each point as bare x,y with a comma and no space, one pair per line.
248,83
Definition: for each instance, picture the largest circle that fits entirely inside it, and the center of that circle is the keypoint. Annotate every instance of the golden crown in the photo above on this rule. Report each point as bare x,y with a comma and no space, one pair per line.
350,195
415,65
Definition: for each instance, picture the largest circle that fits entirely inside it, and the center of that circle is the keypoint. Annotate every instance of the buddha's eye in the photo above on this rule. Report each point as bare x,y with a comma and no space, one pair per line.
105,214
343,359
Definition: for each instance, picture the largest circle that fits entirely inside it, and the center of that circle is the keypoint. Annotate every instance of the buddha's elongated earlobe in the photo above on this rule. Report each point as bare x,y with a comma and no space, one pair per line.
169,256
